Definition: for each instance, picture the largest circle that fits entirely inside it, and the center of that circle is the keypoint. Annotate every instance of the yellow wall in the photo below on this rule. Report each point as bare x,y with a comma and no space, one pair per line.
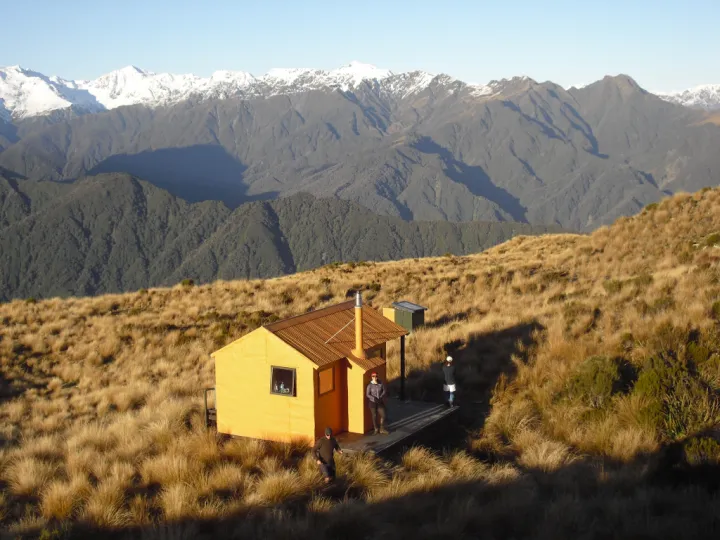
331,407
389,313
245,406
359,420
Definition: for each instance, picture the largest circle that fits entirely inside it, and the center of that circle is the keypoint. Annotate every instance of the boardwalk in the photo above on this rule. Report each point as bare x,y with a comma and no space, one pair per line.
405,419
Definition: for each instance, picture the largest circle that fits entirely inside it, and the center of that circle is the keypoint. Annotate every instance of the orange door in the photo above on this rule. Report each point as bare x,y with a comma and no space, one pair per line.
331,399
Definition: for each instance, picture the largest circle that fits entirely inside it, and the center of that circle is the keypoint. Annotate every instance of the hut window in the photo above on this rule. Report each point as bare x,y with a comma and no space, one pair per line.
326,380
282,381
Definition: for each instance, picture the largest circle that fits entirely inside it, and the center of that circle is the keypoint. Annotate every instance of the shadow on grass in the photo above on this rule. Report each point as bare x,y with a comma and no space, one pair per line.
14,383
453,318
579,500
480,360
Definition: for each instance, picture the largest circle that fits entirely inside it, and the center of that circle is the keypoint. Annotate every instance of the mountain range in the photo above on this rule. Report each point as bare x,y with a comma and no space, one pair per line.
113,233
26,93
409,147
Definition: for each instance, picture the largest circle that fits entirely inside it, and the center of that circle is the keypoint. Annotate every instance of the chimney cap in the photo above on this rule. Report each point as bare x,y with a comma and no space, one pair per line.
358,299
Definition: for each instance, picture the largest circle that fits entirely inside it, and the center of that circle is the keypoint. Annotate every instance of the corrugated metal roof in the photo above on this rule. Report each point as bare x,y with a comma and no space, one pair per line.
328,334
408,306
368,363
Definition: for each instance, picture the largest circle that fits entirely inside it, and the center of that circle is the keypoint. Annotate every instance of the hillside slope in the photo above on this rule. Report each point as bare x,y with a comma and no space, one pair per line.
588,374
114,233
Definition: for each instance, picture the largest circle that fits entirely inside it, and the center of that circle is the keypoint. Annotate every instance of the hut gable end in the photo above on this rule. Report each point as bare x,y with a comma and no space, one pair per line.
241,347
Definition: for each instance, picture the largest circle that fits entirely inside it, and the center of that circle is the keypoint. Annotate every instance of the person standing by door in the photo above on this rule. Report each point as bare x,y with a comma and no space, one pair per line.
449,386
376,393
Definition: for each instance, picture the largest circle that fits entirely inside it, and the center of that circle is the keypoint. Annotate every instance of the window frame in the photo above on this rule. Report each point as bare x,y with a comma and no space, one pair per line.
331,369
377,352
293,390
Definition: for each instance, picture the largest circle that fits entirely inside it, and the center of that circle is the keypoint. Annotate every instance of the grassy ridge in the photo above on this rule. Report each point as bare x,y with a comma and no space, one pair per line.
591,364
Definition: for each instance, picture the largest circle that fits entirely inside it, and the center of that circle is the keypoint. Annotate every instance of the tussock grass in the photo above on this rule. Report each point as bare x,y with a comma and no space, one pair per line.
275,487
105,507
60,499
563,344
28,475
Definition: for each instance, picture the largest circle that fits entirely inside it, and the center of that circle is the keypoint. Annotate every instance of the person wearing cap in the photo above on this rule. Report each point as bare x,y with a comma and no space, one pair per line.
376,394
449,386
324,453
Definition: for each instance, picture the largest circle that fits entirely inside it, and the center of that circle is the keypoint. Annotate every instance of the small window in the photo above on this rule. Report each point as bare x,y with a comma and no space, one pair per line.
374,353
326,380
282,381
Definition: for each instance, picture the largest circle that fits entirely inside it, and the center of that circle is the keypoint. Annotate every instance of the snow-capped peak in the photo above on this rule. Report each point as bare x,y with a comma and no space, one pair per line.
357,72
135,69
287,75
344,78
705,96
25,93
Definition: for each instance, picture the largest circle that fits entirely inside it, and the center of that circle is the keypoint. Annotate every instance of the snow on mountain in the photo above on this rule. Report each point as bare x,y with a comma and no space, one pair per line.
25,93
288,80
131,85
405,84
31,93
706,96
356,72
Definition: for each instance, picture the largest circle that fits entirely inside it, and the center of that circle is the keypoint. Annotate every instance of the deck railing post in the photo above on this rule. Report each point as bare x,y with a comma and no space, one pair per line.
402,368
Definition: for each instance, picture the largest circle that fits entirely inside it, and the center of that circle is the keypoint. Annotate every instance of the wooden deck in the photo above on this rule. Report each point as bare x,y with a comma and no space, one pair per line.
404,420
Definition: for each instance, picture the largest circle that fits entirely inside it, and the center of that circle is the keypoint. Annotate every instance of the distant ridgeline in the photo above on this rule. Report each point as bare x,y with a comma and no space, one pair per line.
412,145
113,233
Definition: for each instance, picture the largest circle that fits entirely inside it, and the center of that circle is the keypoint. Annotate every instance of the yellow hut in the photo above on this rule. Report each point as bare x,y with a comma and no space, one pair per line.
293,378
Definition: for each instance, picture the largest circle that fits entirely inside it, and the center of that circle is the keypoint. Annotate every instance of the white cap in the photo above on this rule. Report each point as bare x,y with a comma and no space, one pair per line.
448,359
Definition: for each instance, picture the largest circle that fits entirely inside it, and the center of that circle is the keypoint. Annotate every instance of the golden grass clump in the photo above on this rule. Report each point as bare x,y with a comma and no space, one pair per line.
60,499
28,475
276,487
364,472
178,501
105,506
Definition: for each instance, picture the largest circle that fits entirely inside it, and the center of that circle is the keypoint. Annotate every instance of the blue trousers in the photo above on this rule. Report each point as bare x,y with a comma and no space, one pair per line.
328,471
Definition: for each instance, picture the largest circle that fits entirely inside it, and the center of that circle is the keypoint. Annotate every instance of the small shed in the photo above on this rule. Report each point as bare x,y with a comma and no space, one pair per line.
407,314
294,377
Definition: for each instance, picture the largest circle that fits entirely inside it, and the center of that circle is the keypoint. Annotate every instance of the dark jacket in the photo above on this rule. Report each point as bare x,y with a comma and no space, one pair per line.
375,392
324,450
449,372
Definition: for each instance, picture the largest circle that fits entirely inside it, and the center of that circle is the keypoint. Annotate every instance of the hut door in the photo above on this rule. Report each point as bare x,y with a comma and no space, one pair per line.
331,406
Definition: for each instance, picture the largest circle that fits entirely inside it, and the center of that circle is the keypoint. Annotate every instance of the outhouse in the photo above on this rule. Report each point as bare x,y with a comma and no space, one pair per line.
295,377
407,314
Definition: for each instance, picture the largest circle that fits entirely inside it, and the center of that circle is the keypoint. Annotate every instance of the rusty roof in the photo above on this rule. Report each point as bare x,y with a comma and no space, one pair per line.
368,363
328,334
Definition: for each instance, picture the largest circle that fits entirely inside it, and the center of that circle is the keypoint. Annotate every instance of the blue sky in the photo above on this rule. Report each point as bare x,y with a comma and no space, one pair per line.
663,45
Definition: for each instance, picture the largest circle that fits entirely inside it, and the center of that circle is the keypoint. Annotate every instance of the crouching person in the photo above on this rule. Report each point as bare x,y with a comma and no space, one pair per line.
324,453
